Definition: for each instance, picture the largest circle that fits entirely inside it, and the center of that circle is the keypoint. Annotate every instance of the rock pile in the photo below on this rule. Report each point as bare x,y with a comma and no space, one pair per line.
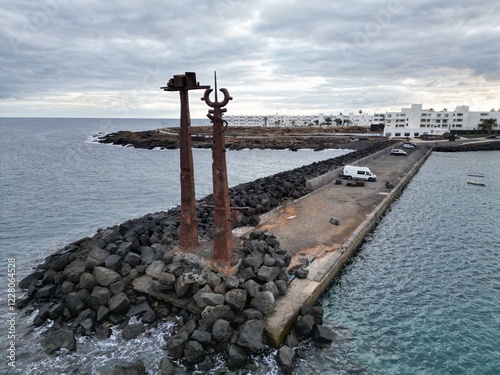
110,278
129,270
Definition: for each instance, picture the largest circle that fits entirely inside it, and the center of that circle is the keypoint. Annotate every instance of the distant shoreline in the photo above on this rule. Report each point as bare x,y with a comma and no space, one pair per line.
238,138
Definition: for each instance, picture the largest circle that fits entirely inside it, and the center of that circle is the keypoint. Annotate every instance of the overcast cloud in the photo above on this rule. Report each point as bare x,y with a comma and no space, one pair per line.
109,58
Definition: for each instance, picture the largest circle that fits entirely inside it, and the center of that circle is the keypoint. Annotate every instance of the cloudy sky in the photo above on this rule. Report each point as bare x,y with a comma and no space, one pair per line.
61,58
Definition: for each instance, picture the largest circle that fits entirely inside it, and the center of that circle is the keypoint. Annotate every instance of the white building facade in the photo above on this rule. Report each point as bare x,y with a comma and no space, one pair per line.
409,122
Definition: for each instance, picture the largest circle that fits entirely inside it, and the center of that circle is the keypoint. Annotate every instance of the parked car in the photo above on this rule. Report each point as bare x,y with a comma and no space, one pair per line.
407,145
491,137
398,152
412,143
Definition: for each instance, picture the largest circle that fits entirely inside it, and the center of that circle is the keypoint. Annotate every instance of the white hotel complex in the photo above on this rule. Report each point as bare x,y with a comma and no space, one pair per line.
409,122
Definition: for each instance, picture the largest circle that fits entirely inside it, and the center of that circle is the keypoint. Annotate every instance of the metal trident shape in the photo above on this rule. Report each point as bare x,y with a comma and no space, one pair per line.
222,244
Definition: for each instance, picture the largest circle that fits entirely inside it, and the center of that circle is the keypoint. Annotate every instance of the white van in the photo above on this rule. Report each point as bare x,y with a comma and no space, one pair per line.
358,173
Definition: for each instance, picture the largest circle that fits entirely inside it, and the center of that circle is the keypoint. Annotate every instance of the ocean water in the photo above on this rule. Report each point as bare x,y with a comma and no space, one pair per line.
422,295
57,185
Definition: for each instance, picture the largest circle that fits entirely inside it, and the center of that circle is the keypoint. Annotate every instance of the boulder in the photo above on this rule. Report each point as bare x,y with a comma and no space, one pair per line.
74,304
167,367
305,326
251,335
253,260
96,257
55,339
87,281
45,292
73,270
236,357
202,337
264,301
301,272
148,255
176,345
124,249
322,334
155,269
222,331
100,296
251,287
110,235
236,298
105,276
271,287
285,357
136,368
194,352
252,313
131,331
119,303
212,299
114,262
213,313
132,259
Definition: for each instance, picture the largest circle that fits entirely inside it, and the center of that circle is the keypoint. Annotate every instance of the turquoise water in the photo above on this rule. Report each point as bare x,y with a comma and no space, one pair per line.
422,295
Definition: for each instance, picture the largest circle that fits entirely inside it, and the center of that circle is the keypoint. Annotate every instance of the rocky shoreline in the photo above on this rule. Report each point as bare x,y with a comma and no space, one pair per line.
241,138
456,147
124,275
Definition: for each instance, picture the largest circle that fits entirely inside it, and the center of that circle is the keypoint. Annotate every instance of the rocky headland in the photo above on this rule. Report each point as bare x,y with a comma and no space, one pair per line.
131,276
238,138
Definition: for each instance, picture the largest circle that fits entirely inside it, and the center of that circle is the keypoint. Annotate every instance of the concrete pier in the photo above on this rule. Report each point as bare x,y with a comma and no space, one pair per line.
305,228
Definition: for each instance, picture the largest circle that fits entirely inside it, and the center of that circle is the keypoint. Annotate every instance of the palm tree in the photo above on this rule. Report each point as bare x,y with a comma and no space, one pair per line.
316,122
265,121
328,120
445,110
488,124
338,121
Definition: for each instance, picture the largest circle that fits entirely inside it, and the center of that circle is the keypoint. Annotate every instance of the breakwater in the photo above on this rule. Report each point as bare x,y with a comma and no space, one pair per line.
94,280
471,146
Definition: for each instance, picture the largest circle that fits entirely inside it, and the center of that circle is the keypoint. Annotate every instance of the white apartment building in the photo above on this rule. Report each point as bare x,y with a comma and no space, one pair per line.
415,121
409,122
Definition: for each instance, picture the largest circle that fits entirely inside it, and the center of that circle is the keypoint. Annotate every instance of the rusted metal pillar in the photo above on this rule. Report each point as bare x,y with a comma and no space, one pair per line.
222,243
188,230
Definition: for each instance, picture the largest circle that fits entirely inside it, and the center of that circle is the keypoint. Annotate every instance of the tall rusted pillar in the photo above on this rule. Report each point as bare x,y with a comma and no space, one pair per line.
188,230
222,243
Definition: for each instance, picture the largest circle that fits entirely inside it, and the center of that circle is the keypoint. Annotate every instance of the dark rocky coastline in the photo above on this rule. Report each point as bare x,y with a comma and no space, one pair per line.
239,138
457,147
130,270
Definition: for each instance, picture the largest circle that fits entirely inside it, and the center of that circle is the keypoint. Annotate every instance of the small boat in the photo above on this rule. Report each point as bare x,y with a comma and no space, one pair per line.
481,183
475,175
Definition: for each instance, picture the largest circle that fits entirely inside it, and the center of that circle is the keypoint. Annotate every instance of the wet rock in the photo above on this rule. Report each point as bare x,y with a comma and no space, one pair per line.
252,335
102,313
202,337
136,368
285,357
305,326
74,304
131,331
167,367
110,235
102,332
194,352
55,339
26,282
176,345
44,293
316,311
236,357
322,334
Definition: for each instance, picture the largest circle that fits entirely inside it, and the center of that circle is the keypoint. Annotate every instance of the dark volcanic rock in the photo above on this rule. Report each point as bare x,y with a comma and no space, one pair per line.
105,276
285,357
194,352
236,357
58,338
252,335
264,301
322,334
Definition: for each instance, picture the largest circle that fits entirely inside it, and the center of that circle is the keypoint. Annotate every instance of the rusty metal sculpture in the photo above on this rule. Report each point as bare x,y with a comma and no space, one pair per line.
222,243
188,231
